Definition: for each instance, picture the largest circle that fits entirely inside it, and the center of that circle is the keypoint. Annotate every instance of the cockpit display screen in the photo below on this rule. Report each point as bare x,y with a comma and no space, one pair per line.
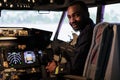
14,58
22,59
29,57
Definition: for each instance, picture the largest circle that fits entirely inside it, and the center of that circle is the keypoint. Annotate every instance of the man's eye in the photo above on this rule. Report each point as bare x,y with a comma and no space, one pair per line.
77,15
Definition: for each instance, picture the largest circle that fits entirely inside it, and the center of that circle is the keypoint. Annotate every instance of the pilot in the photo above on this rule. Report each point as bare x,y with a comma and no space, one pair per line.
78,15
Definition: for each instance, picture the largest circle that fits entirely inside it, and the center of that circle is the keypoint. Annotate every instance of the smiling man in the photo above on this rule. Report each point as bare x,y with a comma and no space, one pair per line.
79,20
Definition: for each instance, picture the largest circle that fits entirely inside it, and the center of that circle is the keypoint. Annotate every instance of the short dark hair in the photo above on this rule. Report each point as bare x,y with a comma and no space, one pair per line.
82,5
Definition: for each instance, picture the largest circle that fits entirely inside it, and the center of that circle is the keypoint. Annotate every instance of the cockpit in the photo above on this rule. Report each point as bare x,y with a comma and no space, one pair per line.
27,28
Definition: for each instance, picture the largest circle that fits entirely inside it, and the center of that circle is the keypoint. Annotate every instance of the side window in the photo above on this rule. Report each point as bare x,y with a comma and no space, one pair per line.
93,13
66,30
112,13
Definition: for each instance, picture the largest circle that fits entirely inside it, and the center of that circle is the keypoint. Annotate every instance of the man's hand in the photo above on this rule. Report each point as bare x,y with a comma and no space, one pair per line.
51,66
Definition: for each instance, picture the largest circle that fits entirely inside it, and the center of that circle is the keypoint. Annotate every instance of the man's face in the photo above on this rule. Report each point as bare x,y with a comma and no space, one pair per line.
75,17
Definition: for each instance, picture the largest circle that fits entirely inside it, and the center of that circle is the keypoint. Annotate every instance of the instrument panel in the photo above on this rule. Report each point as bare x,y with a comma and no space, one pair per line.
20,46
20,50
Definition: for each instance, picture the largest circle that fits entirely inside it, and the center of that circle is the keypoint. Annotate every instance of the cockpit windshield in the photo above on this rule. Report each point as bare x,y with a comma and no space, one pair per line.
44,20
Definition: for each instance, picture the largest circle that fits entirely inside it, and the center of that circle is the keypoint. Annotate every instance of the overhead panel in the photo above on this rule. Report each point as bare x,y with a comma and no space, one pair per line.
32,4
16,4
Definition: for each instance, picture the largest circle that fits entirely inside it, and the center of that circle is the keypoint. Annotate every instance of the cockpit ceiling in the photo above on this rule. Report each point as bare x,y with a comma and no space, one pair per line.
47,4
100,2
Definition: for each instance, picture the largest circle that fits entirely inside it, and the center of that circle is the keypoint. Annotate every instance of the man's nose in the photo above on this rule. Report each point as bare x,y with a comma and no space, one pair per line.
72,19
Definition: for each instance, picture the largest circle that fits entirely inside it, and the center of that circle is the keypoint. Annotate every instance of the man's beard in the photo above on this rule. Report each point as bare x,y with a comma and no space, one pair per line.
78,26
